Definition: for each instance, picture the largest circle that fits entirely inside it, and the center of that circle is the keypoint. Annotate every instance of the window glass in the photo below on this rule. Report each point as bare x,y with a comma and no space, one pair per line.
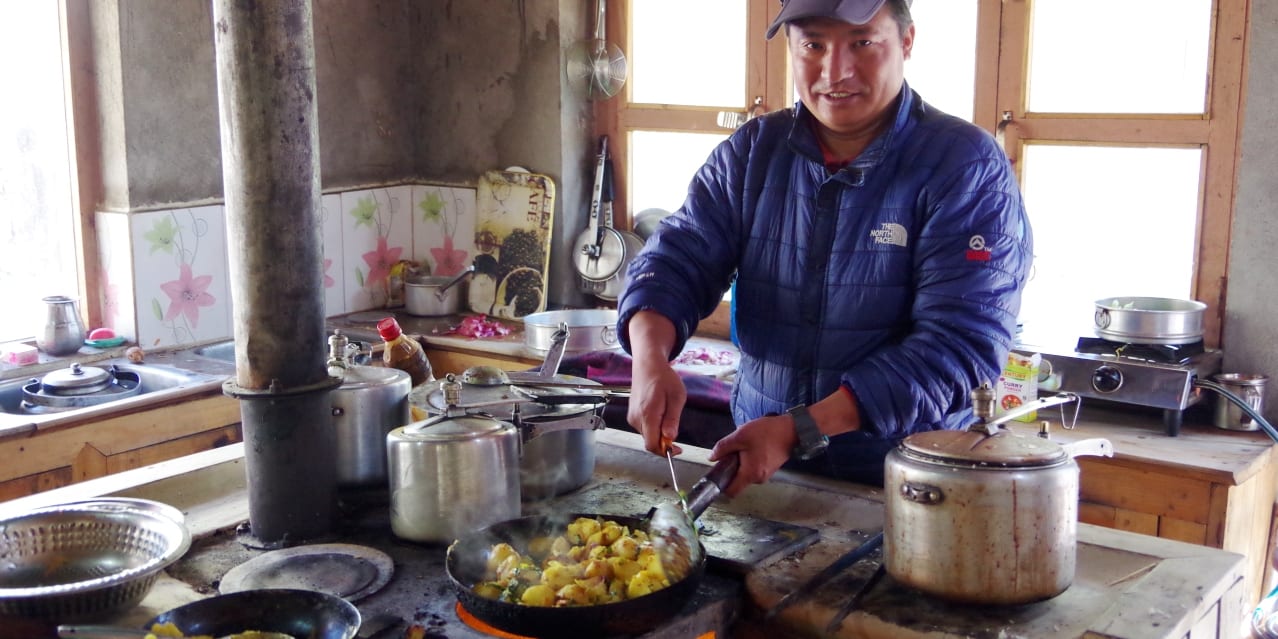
942,65
36,212
1108,221
1133,56
662,166
688,52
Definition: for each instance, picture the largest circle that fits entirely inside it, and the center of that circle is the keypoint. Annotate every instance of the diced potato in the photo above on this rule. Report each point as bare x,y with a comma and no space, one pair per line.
498,555
489,590
557,575
573,594
625,547
643,583
539,595
623,568
597,568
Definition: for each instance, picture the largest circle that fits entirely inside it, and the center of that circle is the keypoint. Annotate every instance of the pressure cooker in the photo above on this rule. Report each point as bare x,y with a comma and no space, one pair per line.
985,515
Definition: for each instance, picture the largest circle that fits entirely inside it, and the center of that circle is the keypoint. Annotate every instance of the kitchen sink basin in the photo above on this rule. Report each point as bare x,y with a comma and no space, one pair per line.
222,351
136,383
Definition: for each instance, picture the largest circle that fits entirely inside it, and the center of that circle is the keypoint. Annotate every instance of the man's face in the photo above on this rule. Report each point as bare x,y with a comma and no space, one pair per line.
849,75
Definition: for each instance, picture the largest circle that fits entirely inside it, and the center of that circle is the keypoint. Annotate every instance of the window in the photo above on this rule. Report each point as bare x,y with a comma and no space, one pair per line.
1124,138
37,211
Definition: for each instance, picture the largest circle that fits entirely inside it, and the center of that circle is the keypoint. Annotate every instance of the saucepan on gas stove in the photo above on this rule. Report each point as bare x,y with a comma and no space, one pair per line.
1149,320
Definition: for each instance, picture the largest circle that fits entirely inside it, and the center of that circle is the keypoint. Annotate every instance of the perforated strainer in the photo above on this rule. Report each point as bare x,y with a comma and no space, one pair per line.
597,68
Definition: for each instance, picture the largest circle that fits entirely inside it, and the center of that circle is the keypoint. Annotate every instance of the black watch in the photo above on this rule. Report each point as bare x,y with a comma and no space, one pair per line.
811,441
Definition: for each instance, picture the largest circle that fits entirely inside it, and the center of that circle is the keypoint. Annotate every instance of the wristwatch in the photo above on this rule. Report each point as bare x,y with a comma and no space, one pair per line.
811,441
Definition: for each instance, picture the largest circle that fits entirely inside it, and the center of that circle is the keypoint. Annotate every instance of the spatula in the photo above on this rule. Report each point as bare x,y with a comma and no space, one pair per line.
672,525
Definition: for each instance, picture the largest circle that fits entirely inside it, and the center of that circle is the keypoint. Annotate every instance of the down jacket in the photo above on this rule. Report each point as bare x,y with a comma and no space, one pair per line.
900,275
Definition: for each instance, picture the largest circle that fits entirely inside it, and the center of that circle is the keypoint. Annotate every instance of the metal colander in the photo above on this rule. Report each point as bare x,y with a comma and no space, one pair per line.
85,560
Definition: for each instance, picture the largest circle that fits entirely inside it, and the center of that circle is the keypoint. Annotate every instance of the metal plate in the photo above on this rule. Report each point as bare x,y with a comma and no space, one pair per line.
344,570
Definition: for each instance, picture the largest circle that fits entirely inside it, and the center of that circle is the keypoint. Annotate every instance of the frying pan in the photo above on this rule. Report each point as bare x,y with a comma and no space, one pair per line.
467,562
300,613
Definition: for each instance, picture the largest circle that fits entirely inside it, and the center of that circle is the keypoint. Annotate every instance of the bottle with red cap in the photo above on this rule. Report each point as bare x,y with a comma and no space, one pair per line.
404,352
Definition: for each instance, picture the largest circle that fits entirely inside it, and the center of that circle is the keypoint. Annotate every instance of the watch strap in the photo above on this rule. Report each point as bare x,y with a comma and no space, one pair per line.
812,442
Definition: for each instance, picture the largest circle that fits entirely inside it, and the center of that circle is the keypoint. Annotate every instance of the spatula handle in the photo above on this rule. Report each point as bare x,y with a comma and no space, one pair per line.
708,488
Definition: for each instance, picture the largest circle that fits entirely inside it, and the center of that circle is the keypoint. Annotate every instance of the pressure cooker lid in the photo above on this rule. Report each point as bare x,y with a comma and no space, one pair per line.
76,379
965,447
449,429
373,377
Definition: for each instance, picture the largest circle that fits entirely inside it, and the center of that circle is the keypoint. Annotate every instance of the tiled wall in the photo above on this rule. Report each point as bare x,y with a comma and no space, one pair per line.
165,280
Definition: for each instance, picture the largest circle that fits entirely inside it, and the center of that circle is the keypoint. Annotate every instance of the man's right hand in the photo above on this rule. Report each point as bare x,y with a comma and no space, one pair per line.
657,394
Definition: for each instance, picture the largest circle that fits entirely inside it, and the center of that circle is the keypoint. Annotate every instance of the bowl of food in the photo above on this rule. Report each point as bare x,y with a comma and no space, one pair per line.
302,614
87,559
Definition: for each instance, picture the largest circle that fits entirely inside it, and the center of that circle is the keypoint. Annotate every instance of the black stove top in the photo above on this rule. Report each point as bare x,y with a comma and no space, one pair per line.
1162,353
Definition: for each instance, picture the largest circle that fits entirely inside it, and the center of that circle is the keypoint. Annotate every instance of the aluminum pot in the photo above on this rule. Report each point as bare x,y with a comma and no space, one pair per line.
452,474
588,330
371,402
1149,320
984,516
434,296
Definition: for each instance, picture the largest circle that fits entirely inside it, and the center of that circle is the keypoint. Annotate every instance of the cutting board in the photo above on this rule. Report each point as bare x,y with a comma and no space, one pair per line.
734,543
514,214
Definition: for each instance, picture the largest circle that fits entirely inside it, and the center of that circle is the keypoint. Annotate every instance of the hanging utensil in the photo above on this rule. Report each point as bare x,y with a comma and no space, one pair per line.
597,68
631,244
593,255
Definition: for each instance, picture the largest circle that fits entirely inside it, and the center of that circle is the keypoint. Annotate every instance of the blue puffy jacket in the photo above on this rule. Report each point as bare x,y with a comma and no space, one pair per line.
899,276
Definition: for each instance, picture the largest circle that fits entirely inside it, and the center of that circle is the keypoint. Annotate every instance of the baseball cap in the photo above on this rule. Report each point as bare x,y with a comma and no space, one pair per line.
853,11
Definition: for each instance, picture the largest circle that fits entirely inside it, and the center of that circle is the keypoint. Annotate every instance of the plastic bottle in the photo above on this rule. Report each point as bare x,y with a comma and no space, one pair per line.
404,353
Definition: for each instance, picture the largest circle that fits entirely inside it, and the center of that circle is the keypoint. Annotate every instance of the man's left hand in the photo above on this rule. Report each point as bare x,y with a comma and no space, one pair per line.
763,444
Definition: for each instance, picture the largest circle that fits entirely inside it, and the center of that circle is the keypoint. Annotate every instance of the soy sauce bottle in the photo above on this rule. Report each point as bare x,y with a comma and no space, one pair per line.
404,352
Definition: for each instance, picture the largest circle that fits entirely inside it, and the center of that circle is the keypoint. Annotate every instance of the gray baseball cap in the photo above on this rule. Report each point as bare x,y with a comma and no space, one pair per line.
853,11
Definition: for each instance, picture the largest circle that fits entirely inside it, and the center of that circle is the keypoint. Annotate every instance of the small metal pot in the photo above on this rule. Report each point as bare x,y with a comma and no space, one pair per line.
984,516
371,402
1149,320
588,330
452,474
434,296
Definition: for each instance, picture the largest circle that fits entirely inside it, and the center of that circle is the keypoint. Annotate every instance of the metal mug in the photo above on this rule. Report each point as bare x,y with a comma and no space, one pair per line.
1250,389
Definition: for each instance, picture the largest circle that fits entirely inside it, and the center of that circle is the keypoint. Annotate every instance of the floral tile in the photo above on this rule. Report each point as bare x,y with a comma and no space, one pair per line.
181,276
443,228
334,262
376,236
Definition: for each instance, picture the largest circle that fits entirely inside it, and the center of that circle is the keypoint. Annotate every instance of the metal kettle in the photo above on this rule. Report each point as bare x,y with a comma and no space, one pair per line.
63,333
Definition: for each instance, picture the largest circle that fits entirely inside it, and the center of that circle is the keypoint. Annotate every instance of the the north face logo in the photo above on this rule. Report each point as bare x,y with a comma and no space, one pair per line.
890,233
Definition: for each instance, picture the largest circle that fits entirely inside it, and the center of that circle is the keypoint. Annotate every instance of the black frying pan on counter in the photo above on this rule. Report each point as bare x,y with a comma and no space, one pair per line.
467,562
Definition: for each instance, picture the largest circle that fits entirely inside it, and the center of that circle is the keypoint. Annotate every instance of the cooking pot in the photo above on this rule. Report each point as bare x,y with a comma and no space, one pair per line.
371,402
592,329
1149,320
434,296
985,515
464,468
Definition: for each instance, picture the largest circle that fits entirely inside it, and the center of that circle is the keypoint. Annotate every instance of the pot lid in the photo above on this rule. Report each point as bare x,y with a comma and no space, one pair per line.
76,379
450,429
1004,449
373,377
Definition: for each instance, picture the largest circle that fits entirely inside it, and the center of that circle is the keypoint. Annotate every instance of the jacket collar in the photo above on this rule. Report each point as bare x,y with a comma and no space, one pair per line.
803,139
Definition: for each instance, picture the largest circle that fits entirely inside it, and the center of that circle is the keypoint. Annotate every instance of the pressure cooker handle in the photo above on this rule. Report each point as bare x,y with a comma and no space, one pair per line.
1095,447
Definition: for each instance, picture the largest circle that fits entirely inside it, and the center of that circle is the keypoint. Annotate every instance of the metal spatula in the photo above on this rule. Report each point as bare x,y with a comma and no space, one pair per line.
672,525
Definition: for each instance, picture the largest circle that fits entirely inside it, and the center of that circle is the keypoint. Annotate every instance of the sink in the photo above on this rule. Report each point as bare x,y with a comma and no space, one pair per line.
148,382
222,351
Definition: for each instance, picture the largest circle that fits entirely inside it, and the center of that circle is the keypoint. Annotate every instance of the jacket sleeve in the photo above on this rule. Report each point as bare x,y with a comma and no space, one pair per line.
972,260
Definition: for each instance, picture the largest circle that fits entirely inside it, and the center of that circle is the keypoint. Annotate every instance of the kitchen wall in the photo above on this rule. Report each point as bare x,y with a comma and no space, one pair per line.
411,94
1251,314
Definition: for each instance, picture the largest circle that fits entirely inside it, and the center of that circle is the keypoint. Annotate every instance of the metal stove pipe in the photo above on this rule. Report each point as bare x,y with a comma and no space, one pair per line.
265,55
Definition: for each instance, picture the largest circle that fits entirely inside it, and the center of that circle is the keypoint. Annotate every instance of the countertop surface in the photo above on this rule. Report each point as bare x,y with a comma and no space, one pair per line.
1126,586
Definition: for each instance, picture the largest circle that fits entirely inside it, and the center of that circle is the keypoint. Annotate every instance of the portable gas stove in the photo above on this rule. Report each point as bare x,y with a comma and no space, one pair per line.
1152,375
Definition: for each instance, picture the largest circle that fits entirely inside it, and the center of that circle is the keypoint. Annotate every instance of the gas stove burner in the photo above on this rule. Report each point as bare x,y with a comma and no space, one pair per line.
1163,353
77,387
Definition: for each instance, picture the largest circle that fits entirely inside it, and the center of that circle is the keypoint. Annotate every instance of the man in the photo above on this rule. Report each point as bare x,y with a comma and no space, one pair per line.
879,248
